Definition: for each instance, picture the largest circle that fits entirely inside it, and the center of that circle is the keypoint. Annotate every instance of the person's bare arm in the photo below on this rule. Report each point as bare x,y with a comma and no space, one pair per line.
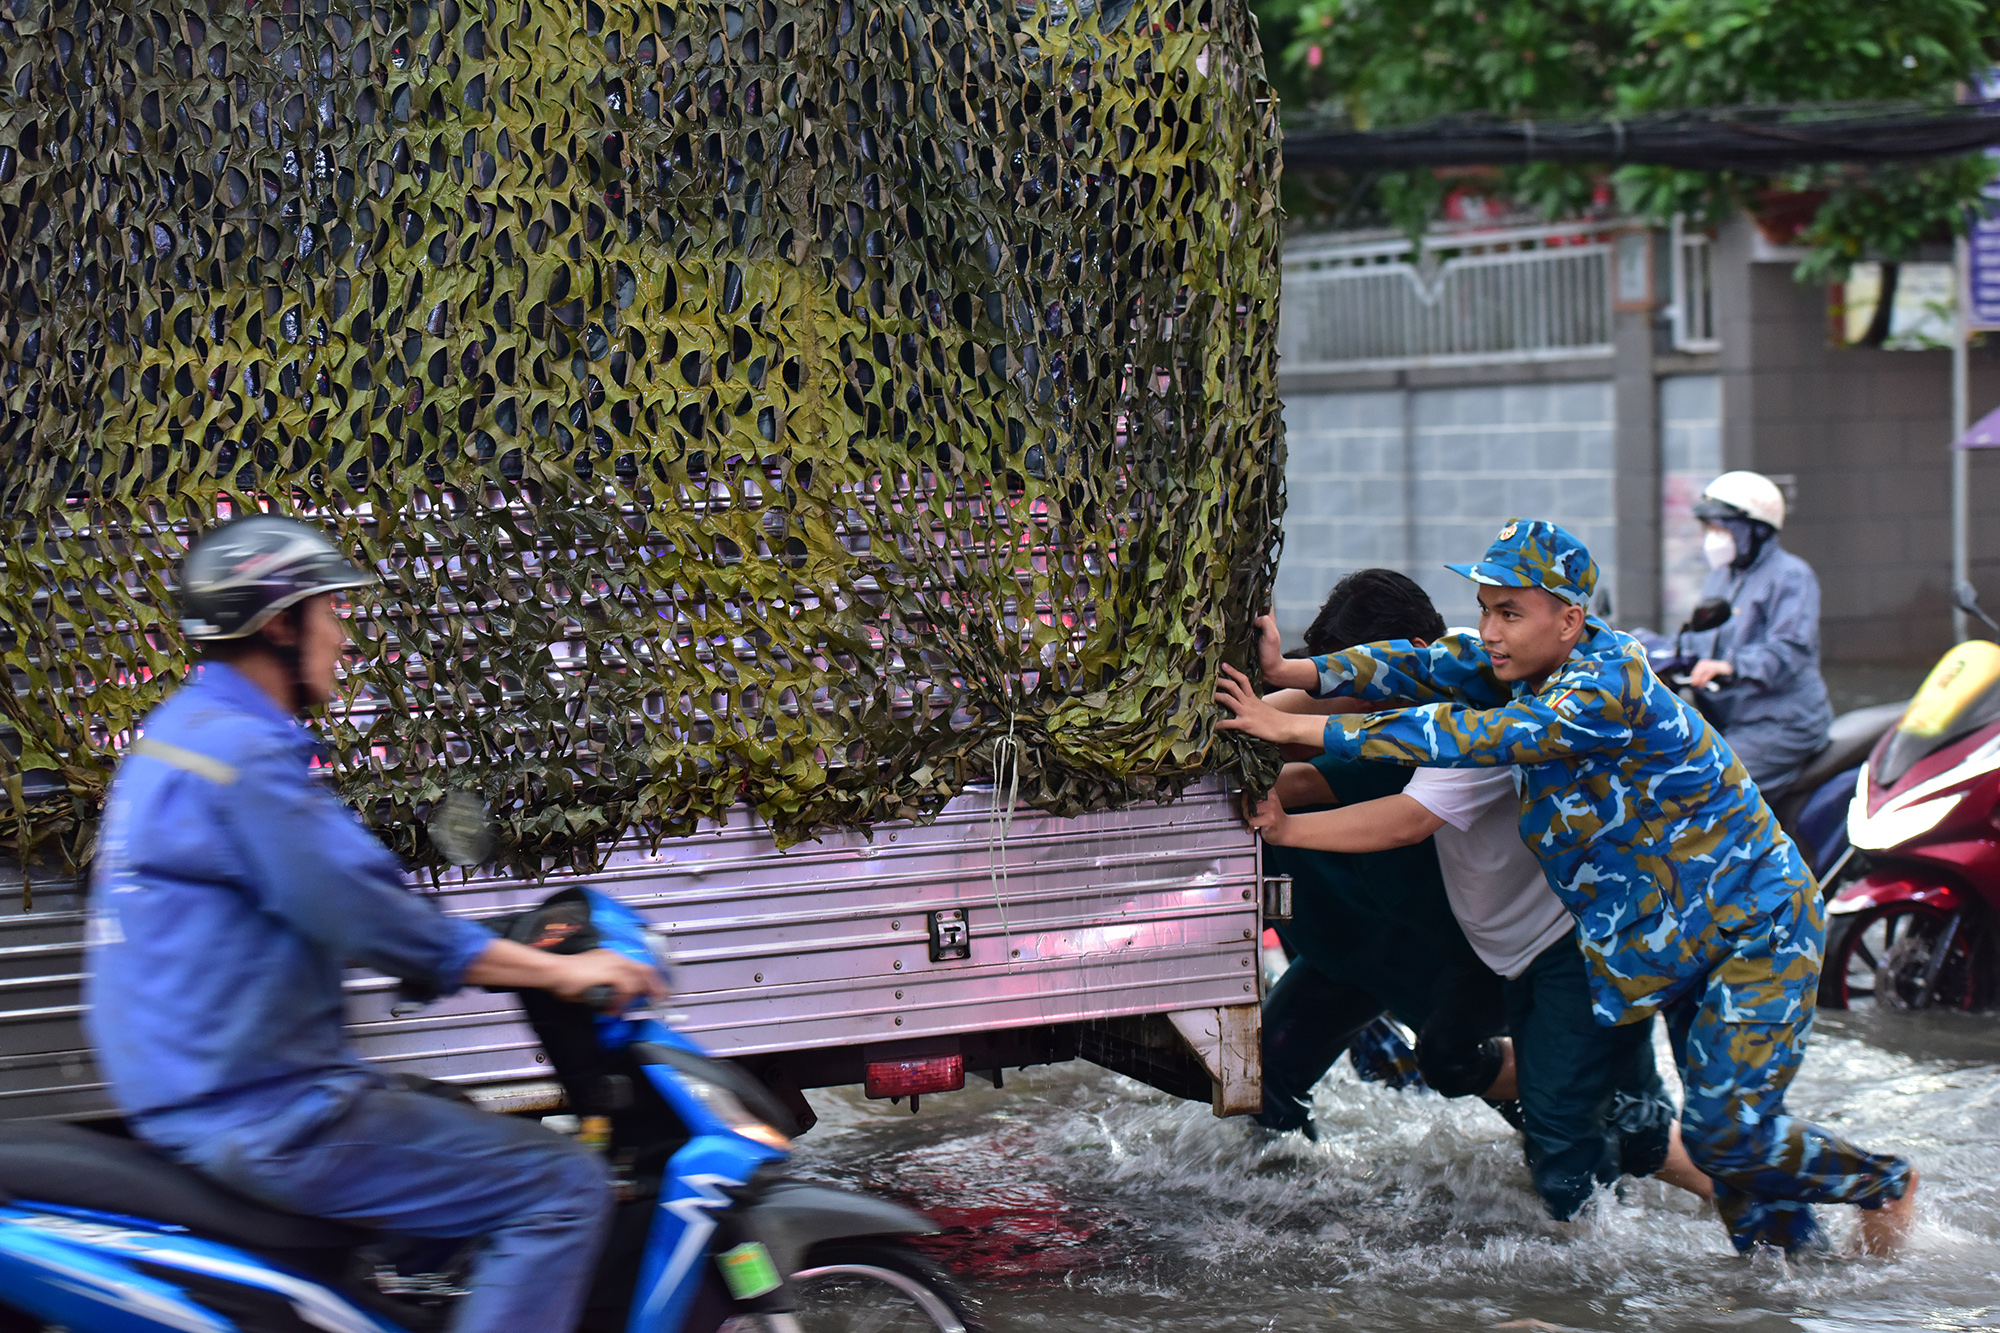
1281,672
1298,701
1371,826
1302,784
510,966
1304,705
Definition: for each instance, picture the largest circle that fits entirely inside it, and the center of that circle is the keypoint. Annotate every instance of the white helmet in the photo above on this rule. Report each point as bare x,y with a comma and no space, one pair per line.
1749,495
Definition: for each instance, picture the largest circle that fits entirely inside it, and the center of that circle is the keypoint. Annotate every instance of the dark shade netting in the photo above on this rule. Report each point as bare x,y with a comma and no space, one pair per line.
740,401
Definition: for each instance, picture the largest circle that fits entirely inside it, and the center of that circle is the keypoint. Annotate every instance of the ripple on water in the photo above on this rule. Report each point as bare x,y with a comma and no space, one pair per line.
1077,1199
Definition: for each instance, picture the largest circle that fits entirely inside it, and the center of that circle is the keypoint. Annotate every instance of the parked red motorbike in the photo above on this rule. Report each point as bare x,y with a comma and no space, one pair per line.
1915,917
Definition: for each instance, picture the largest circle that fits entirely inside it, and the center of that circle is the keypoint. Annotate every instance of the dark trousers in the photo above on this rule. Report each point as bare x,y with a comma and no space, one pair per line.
1310,1019
422,1166
1593,1106
1458,1047
1592,1103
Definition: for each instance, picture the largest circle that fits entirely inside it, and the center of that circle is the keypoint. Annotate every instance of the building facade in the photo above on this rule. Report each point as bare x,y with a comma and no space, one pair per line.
1599,375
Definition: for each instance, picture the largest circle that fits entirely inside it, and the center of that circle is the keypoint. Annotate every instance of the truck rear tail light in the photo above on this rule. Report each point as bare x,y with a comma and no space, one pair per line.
908,1078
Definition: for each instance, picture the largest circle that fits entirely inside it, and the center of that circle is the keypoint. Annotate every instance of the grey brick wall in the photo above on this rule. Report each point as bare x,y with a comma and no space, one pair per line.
1344,482
1411,485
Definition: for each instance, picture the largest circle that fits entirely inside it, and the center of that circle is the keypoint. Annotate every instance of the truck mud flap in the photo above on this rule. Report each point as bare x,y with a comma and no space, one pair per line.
1203,1055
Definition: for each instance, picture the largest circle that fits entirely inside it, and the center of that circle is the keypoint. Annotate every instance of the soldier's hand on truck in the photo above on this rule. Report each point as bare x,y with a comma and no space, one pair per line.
1267,817
1235,692
1281,672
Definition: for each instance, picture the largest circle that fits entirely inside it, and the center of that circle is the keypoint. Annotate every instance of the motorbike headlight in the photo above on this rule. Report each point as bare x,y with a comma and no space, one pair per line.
724,1106
1891,826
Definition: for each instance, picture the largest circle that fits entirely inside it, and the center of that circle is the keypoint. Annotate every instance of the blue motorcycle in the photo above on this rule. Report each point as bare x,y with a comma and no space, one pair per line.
99,1234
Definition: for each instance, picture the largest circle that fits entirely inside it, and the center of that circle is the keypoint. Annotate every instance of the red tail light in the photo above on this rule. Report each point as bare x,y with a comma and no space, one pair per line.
908,1078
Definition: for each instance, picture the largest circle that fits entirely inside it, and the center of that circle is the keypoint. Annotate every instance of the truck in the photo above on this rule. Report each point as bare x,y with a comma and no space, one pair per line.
817,458
904,958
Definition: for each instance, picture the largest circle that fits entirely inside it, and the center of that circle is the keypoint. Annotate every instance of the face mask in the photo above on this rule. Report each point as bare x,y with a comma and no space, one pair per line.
1718,548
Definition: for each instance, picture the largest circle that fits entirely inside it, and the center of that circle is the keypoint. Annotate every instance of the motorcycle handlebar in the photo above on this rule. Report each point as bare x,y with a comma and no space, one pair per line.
599,998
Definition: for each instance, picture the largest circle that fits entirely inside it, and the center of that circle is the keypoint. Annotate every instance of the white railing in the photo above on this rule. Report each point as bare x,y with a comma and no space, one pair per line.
1466,298
1692,312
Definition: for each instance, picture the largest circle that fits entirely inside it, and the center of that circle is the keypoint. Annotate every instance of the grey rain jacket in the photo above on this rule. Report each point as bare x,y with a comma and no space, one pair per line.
1774,711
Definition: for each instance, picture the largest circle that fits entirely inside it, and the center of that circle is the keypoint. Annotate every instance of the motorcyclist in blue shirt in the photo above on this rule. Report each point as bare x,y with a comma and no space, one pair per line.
231,890
1771,706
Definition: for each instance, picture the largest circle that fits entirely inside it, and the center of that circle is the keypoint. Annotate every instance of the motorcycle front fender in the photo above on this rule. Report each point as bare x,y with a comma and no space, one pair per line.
792,1216
1882,887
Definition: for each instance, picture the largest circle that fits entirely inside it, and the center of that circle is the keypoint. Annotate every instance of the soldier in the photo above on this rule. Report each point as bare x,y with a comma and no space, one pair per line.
1689,900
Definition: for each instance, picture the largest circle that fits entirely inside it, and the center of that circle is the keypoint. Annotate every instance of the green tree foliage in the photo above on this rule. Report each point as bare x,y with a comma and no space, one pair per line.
1374,63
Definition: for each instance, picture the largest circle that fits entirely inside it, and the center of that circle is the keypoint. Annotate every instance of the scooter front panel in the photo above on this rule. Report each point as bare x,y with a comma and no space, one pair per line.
696,1191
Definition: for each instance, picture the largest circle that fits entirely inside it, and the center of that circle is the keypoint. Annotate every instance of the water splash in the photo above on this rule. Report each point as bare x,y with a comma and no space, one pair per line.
1077,1199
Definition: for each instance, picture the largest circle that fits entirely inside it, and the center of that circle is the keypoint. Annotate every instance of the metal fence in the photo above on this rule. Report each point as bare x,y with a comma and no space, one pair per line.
1512,295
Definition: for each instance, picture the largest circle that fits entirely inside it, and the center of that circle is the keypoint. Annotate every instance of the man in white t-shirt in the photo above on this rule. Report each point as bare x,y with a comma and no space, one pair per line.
1593,1105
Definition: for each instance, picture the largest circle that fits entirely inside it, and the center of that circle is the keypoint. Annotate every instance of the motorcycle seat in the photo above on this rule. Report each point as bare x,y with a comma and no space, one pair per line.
1850,739
51,1162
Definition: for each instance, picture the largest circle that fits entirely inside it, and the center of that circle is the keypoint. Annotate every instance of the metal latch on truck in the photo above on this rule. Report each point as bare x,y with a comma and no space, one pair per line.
951,938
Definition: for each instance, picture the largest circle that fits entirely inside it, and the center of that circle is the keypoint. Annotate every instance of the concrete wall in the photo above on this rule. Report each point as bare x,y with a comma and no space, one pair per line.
1865,433
1411,469
1690,457
1413,478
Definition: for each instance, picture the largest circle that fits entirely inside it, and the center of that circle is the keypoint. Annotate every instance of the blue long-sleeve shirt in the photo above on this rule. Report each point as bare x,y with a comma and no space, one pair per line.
1773,708
231,889
1647,826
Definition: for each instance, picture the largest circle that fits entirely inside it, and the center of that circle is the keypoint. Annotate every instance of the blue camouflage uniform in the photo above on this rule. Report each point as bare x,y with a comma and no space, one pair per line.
1689,899
231,889
1772,708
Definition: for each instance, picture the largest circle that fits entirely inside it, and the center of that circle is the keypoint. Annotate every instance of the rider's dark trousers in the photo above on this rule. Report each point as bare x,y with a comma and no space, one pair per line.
421,1166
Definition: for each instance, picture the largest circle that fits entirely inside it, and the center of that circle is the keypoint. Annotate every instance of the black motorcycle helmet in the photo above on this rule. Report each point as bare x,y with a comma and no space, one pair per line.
236,578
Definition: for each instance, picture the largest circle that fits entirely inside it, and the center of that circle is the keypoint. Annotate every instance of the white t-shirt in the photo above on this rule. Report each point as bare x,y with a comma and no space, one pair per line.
1494,882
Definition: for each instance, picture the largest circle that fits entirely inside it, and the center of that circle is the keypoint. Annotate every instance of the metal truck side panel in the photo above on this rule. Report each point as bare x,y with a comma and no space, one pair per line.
1147,910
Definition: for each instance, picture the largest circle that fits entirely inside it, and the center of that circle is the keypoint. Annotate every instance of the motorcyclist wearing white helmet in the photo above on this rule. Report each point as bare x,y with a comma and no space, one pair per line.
1772,706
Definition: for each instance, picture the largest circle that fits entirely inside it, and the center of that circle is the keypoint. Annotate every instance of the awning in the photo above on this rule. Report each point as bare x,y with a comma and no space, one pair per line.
1982,434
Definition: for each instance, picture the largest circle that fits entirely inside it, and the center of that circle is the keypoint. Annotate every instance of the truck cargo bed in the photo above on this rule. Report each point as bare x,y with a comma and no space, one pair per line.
841,944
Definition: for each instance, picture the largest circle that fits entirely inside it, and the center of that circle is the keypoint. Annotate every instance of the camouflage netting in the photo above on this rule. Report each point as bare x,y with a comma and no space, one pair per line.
753,400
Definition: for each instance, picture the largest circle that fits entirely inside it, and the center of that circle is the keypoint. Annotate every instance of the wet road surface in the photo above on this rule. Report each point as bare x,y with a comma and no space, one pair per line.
1076,1199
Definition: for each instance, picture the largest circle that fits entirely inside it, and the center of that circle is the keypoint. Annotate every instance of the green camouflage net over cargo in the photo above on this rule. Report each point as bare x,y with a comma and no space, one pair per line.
740,401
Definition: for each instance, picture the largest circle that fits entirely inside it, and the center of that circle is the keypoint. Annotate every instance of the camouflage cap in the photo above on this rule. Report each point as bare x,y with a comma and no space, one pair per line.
1534,553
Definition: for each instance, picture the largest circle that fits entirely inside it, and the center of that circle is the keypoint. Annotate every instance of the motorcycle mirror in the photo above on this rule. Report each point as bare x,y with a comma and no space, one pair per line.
461,829
1966,598
1710,613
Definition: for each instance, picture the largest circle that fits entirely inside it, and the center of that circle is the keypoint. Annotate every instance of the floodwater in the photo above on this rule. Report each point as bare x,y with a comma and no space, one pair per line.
1077,1199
